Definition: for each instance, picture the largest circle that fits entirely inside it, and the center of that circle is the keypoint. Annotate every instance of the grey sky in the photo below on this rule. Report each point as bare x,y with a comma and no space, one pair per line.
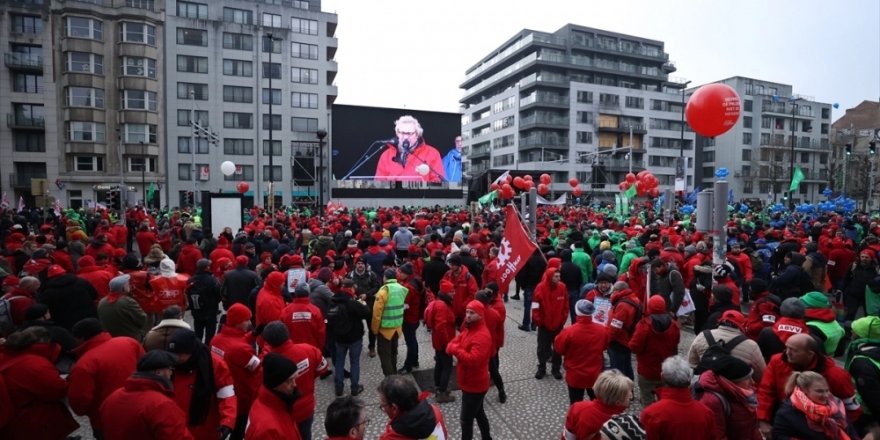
413,54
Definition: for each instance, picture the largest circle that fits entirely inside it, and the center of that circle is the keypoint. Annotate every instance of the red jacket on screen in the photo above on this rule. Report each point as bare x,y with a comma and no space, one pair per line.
389,169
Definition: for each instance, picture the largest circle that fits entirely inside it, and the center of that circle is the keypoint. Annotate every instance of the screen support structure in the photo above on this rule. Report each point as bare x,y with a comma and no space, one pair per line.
304,162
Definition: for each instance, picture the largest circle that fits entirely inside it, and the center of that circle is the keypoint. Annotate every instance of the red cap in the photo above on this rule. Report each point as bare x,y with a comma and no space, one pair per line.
656,305
315,261
477,307
237,314
241,260
296,260
734,317
56,270
446,286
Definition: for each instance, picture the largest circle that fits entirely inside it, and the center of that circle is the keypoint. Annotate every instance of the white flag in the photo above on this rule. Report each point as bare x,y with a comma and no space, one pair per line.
501,178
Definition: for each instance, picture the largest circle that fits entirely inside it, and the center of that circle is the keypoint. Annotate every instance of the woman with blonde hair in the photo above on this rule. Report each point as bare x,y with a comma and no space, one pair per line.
585,419
811,411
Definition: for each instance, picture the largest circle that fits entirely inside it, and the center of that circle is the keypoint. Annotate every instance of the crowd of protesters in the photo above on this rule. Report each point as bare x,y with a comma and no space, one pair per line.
152,326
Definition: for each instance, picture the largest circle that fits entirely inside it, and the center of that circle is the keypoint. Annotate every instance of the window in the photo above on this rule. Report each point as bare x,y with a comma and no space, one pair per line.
747,122
238,120
708,156
307,125
238,94
746,155
609,99
184,142
88,163
84,62
272,45
84,97
32,115
198,11
192,37
29,141
271,20
272,70
137,33
79,131
585,117
26,24
141,164
824,129
141,4
747,105
136,133
747,139
585,97
276,173
136,66
303,50
201,116
772,91
275,95
275,122
192,64
27,82
765,121
238,68
780,124
138,100
199,92
305,76
238,147
585,137
826,113
247,174
299,4
634,102
238,41
303,26
276,147
503,123
184,171
238,16
303,100
823,159
81,27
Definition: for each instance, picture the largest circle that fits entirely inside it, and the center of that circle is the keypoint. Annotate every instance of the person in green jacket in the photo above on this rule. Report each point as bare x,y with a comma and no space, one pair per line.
120,314
633,250
582,259
822,321
387,322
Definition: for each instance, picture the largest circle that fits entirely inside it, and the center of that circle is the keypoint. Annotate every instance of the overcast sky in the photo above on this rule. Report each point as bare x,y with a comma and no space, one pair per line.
413,54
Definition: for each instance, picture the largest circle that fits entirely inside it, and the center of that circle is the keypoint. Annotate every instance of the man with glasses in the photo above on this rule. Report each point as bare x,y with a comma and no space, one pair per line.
409,157
346,419
409,417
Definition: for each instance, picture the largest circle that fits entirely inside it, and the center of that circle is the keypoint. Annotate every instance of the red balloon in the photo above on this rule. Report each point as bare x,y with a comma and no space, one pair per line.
641,175
654,192
527,177
493,187
508,179
573,182
640,185
545,178
509,193
518,182
529,185
713,109
576,192
242,187
625,185
630,177
543,189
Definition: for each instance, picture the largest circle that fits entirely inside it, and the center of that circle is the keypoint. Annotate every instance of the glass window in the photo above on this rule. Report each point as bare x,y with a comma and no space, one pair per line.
275,95
141,4
271,20
276,173
82,27
199,92
275,122
138,100
238,41
84,97
184,171
303,100
276,147
136,133
272,70
27,82
88,163
272,45
300,4
747,139
307,125
747,105
192,37
303,50
747,122
137,33
238,68
238,94
79,131
238,120
136,66
184,142
192,64
26,24
238,16
29,141
247,173
84,62
305,76
303,26
140,164
238,147
201,116
198,11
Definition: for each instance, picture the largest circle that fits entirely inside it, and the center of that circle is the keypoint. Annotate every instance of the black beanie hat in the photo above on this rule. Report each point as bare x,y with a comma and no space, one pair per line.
277,369
182,341
156,359
731,367
757,285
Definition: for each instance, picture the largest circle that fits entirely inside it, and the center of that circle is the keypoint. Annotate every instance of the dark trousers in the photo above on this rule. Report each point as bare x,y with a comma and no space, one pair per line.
573,296
205,329
442,370
851,304
387,354
527,306
545,349
412,345
495,374
576,395
621,359
305,428
240,426
371,341
472,408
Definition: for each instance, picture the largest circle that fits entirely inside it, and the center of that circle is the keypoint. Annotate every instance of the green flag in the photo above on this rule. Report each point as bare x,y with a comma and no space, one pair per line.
631,192
796,179
150,192
488,198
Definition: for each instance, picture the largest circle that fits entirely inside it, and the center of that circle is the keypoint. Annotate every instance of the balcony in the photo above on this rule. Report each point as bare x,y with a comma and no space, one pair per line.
544,141
24,61
25,122
22,180
534,121
477,153
623,164
614,127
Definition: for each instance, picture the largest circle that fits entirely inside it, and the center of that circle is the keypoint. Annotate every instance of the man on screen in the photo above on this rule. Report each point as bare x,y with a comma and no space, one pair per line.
410,159
452,162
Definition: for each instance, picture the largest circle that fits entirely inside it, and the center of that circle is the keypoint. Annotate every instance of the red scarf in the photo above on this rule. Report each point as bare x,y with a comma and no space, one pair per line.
830,419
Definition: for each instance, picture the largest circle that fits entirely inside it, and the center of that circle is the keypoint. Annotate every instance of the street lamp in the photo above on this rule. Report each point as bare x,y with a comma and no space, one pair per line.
791,159
321,134
680,167
271,70
144,174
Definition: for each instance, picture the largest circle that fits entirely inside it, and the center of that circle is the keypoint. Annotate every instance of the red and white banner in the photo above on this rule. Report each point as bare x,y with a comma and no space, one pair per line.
516,248
204,172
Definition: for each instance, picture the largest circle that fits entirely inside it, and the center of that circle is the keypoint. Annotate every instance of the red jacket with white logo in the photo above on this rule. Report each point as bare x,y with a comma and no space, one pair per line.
465,289
473,348
581,346
771,391
310,364
169,291
236,348
305,323
550,305
223,402
269,419
143,409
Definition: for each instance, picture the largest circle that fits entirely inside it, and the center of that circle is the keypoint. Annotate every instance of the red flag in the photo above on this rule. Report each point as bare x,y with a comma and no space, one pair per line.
516,248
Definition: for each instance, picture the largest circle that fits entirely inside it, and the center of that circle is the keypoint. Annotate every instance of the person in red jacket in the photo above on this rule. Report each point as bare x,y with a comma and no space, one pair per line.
549,313
203,387
304,320
269,418
20,297
104,364
169,287
35,389
492,271
764,310
441,322
144,408
410,158
677,415
791,322
223,250
410,417
235,345
728,389
473,348
582,346
465,287
145,239
802,353
270,303
189,255
100,245
495,324
655,338
626,309
310,363
613,392
96,275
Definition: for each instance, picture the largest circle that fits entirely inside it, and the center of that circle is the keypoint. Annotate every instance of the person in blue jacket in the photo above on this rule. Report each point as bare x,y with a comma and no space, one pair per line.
452,162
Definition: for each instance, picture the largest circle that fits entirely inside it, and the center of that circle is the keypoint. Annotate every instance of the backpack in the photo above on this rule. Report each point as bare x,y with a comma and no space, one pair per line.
338,319
7,325
697,391
636,319
716,350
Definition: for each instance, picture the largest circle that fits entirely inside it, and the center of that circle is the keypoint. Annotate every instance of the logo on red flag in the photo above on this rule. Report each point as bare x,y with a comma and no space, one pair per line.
516,248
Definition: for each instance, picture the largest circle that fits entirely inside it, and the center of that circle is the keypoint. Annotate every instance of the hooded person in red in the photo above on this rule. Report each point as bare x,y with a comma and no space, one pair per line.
582,346
304,320
465,287
655,338
441,321
169,286
189,255
473,348
96,275
764,310
791,322
235,345
270,303
729,391
270,414
549,313
103,366
626,310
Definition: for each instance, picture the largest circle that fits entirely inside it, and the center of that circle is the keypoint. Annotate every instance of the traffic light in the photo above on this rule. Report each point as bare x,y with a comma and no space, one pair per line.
188,199
113,199
872,147
848,149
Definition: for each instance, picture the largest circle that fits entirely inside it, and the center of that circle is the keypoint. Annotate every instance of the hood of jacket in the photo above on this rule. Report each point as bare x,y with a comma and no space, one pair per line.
660,322
418,422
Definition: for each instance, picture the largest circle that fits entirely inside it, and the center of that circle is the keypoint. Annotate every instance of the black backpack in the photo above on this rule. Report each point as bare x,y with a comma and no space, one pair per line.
338,320
715,350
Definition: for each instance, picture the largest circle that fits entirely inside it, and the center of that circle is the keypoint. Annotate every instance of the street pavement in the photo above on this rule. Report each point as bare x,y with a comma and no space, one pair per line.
535,409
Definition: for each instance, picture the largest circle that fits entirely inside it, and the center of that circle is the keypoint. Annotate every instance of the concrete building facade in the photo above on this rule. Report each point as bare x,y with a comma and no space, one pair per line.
561,102
855,132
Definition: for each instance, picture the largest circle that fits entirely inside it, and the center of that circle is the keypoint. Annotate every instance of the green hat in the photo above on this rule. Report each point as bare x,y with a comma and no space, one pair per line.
815,300
867,327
